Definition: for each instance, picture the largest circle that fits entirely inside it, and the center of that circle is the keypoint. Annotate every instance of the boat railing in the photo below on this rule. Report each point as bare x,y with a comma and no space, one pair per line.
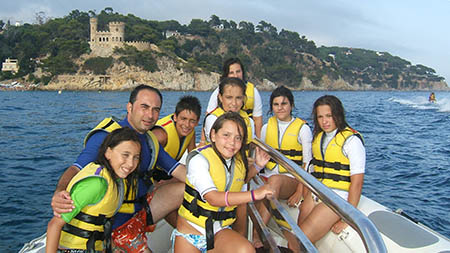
363,226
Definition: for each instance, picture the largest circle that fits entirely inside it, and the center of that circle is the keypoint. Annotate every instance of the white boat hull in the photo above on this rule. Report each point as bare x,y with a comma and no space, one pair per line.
399,234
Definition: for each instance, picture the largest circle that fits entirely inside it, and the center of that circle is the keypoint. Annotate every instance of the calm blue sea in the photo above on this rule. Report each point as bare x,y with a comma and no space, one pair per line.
41,133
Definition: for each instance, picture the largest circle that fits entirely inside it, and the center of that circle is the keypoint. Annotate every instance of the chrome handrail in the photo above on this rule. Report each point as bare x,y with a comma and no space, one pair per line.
364,227
306,244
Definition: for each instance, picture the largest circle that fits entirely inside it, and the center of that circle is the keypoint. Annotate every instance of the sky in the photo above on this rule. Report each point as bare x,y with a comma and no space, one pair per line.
415,30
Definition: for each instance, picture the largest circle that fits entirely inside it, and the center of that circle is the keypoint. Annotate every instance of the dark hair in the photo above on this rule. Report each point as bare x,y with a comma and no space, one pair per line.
337,111
226,67
189,103
233,81
140,87
112,140
282,92
236,118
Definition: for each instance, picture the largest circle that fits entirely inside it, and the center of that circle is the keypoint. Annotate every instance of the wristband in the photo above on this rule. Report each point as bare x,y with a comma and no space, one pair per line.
226,199
252,193
258,169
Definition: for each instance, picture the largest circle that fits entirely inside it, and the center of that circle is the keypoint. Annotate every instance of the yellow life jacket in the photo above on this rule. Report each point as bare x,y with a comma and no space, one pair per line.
110,124
219,111
173,147
250,103
333,168
200,212
90,227
289,142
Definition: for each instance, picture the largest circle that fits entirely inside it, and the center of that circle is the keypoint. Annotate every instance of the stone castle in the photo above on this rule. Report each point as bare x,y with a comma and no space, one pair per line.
102,43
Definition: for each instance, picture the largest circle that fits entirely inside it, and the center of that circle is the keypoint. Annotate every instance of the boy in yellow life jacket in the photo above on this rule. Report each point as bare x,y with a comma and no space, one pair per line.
176,131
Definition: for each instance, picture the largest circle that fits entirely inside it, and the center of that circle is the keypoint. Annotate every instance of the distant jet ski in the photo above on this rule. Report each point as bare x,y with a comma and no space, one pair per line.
432,98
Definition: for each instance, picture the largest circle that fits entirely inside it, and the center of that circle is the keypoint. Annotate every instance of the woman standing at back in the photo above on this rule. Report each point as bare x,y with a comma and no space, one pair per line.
339,159
231,98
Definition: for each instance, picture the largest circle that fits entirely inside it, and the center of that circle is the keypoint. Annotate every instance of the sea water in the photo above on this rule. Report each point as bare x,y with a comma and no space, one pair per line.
41,134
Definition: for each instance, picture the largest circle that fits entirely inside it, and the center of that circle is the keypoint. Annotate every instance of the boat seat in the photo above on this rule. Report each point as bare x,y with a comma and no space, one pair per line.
401,230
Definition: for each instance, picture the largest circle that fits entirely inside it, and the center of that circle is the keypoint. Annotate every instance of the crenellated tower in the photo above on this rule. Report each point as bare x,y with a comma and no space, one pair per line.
102,43
93,24
117,30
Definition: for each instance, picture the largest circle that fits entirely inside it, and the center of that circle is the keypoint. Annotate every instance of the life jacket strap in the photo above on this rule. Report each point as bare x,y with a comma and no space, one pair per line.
159,175
335,165
146,177
212,216
92,236
298,162
96,220
143,201
197,211
291,152
337,178
249,112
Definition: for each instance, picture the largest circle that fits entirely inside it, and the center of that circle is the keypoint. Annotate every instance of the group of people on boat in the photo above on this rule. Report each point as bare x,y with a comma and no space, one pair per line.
128,176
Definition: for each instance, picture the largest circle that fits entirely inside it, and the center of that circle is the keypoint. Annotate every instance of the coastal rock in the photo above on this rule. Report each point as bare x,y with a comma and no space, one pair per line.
122,77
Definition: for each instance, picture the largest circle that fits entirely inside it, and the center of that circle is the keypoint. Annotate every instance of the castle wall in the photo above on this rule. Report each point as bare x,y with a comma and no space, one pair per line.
102,43
139,45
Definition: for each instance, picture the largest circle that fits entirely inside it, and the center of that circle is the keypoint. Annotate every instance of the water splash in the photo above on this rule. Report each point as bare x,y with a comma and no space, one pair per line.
421,103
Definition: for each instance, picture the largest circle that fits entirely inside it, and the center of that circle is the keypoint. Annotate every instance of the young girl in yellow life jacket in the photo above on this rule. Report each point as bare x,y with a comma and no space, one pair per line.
339,159
292,137
231,98
215,176
97,191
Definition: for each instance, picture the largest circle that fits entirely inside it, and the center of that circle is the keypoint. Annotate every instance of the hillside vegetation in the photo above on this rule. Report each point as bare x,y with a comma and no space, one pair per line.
54,47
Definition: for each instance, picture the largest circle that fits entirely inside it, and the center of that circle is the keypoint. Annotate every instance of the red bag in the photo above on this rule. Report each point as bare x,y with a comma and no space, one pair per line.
130,236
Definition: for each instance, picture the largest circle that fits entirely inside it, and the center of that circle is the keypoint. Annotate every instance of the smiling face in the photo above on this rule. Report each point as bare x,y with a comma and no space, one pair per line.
186,121
144,112
232,98
325,118
235,70
282,108
124,157
228,139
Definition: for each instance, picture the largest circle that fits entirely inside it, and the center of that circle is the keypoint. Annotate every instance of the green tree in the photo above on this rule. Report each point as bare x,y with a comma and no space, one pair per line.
214,21
98,65
199,27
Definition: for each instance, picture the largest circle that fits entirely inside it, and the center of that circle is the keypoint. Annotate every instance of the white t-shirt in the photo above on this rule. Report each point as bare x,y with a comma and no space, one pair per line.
257,105
304,138
209,121
355,151
198,175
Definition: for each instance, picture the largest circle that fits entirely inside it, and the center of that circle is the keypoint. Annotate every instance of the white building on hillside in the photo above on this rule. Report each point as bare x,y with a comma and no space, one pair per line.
10,65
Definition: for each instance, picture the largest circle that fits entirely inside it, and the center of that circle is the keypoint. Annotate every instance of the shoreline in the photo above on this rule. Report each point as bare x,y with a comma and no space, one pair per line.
17,85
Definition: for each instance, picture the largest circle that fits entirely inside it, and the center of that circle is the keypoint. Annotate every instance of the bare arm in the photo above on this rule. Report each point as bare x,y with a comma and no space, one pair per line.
54,228
217,198
258,125
202,139
191,145
354,195
260,160
61,201
296,197
180,173
161,135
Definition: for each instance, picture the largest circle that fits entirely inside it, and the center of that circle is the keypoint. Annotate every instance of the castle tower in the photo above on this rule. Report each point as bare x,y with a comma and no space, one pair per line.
93,24
117,30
